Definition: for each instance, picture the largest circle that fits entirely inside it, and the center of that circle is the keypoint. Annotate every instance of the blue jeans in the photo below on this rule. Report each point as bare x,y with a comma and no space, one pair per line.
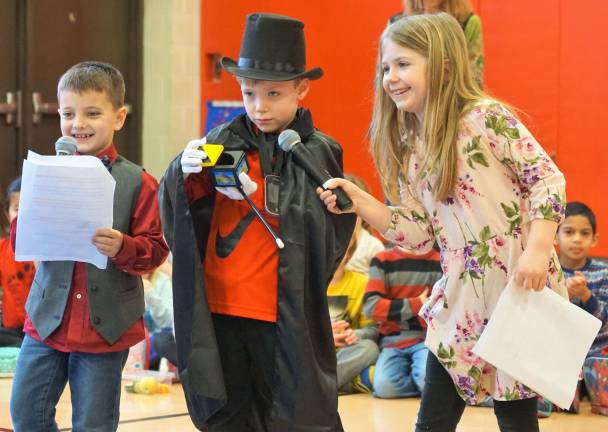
41,375
400,372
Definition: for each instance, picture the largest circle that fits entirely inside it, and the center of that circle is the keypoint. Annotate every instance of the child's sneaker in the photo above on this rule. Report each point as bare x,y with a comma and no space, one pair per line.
487,402
544,407
595,371
363,383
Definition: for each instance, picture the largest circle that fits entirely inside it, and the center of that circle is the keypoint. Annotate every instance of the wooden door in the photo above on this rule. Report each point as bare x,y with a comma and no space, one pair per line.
41,39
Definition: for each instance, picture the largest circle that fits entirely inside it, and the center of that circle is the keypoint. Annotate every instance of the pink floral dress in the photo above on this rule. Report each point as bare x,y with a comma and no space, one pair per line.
505,180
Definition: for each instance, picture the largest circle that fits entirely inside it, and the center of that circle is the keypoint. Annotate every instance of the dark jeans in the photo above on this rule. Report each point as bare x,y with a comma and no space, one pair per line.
441,406
246,349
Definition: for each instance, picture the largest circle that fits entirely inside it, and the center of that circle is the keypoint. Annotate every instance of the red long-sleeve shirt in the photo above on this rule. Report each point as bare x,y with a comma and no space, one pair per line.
141,252
396,280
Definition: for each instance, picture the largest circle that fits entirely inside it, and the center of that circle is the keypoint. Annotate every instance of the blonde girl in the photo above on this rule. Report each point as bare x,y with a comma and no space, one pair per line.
471,177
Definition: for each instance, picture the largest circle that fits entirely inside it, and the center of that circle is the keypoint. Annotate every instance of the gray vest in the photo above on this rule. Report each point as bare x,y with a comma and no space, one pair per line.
116,298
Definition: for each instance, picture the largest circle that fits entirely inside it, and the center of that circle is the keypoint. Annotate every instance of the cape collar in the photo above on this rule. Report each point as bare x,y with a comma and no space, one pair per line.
244,127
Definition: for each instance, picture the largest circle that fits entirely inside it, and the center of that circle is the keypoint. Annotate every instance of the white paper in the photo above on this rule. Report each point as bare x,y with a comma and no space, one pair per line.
540,339
64,199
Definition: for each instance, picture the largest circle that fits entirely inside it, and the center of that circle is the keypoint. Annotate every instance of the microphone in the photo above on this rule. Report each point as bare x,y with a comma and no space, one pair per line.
225,173
289,141
65,146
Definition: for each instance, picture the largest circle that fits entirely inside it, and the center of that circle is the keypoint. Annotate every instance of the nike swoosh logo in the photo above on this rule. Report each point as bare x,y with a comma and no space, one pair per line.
224,245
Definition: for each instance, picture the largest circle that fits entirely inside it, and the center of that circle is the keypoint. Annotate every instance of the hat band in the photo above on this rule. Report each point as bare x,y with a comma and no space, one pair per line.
247,63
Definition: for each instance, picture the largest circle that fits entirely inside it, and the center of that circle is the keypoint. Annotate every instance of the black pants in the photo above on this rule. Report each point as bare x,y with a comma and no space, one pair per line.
11,337
246,349
441,406
163,345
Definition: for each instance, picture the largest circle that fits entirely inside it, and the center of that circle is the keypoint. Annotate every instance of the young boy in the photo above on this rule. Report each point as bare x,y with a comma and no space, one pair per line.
15,277
398,286
354,334
80,320
586,278
255,346
587,283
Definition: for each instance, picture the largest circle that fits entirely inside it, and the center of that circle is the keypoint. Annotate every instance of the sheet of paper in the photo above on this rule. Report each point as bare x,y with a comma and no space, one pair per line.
64,199
540,339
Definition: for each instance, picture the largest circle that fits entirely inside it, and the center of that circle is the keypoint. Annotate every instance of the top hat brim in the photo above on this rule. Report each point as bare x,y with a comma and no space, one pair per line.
268,75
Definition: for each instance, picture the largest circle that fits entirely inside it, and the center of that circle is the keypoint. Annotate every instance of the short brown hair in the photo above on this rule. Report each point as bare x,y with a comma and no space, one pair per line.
239,79
97,76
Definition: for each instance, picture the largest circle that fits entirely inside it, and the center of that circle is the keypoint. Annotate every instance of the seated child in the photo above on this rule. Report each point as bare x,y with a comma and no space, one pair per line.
587,283
15,277
368,245
158,317
399,284
586,278
354,334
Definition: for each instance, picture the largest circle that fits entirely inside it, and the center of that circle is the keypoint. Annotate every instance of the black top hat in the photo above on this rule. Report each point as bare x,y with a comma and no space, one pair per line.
273,49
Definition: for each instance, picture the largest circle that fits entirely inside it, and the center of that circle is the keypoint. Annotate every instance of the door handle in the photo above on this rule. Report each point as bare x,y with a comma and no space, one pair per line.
11,108
41,107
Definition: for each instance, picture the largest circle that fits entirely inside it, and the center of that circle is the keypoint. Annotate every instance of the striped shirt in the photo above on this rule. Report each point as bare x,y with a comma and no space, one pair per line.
396,280
596,273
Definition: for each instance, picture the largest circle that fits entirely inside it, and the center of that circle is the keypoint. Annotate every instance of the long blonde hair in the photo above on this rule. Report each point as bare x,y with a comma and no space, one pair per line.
459,9
452,91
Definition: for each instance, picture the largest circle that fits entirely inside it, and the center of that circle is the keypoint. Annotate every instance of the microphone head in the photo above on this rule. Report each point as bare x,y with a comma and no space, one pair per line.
66,146
288,139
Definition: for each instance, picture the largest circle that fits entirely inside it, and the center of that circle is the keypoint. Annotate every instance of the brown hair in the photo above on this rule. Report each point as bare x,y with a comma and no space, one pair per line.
97,76
459,9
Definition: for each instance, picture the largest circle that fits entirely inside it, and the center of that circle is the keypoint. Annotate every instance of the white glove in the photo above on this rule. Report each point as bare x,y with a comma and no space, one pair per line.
192,157
248,185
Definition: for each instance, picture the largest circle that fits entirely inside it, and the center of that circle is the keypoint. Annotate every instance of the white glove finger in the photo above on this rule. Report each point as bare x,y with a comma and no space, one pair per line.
230,192
191,169
193,153
196,143
249,186
187,161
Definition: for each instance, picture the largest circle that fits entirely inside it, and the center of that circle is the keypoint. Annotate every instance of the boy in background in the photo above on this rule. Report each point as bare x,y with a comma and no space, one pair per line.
254,338
587,283
586,278
15,277
81,320
399,284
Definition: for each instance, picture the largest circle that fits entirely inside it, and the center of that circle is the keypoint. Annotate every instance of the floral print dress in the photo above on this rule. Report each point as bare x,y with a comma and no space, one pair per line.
504,181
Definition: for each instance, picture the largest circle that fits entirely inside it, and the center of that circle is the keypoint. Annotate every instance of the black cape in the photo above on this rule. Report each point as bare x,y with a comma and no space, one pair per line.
304,389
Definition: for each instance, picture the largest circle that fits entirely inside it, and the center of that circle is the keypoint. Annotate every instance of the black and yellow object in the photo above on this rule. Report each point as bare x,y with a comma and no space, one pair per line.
213,153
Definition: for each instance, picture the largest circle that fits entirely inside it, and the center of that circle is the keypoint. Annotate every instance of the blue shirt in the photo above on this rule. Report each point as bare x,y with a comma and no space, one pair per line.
596,273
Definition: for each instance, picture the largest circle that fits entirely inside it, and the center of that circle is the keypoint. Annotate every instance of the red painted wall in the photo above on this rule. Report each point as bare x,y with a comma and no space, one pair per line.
545,57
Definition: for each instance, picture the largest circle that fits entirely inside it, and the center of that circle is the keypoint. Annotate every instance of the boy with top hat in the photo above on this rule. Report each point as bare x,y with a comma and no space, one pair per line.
255,347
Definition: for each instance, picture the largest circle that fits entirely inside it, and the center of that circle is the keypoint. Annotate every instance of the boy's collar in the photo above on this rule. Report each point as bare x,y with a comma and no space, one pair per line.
109,152
584,267
302,124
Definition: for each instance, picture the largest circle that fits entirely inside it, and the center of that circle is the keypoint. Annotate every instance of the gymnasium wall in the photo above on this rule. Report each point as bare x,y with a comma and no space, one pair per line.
545,57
